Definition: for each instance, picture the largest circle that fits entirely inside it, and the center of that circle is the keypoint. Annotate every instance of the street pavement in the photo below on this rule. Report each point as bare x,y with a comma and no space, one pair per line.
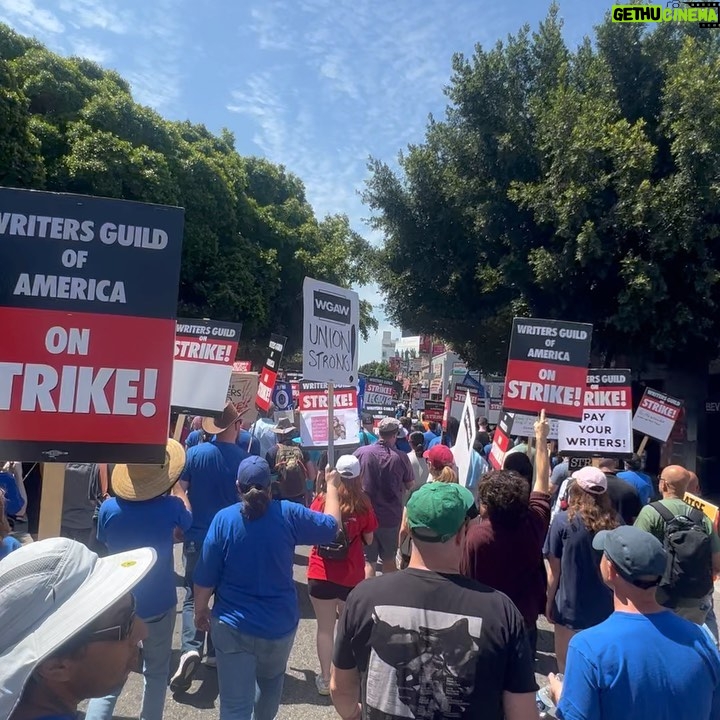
300,698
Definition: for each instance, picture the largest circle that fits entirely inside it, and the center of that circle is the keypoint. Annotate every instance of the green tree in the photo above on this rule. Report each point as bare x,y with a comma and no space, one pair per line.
20,161
377,369
580,185
68,125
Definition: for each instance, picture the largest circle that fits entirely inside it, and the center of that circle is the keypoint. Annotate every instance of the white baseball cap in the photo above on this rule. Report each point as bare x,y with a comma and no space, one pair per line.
348,466
49,591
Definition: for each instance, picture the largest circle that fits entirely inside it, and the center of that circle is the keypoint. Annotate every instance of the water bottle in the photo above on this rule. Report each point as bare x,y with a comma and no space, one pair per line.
544,702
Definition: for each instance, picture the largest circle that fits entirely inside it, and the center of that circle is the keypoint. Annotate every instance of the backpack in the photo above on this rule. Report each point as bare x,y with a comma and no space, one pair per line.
688,573
291,470
336,550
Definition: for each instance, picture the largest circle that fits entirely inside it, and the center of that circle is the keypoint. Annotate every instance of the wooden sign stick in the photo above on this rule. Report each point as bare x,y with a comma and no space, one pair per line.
179,425
643,443
51,500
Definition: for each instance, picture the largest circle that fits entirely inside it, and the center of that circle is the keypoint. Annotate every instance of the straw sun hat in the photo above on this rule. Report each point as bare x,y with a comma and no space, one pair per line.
145,482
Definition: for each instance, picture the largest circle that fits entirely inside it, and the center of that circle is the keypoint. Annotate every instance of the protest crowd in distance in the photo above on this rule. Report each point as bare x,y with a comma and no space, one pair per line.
440,530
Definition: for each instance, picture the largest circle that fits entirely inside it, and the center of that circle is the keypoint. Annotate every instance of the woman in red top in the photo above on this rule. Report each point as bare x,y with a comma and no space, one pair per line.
330,581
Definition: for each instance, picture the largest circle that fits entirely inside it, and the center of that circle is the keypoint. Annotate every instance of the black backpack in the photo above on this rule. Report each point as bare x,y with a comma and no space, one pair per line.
688,573
336,550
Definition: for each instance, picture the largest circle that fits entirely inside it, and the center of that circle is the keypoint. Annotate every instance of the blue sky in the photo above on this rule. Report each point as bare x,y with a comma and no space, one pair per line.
316,85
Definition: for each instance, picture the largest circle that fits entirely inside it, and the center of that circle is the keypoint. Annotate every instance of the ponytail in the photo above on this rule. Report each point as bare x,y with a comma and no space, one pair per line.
255,502
446,475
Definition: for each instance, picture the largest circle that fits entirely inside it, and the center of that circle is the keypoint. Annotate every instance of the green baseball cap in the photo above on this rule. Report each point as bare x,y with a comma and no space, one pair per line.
437,511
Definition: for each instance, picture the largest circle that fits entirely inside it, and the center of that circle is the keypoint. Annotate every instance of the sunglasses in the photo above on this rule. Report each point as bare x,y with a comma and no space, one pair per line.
115,633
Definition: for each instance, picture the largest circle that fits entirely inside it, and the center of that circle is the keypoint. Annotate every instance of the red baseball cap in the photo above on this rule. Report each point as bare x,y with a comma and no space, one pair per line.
439,456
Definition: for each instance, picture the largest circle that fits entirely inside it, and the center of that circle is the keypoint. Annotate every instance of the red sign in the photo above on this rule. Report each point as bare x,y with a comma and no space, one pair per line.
547,368
446,411
87,310
242,366
268,376
434,411
501,442
62,365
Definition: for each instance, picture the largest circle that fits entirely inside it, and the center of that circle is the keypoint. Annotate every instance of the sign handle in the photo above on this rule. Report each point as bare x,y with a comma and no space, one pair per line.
51,501
530,446
331,429
179,424
643,443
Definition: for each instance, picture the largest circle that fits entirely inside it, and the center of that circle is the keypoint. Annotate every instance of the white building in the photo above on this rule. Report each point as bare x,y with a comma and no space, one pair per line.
388,346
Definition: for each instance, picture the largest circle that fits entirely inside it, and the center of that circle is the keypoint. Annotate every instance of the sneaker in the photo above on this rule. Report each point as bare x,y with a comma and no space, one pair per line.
211,661
322,685
182,679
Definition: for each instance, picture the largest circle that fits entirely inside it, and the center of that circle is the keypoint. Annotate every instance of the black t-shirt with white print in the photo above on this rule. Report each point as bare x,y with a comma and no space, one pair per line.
431,646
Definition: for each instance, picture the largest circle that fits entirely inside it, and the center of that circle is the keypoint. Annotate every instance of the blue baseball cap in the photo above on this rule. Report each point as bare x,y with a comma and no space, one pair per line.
637,555
253,472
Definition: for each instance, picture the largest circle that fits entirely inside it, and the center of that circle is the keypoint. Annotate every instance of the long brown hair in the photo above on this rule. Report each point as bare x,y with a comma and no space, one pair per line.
595,511
4,523
353,499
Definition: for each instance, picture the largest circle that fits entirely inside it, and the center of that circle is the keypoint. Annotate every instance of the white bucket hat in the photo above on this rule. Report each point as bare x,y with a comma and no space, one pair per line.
49,591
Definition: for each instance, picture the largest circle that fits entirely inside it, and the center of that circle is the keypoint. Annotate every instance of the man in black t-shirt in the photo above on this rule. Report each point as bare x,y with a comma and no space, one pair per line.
623,496
426,642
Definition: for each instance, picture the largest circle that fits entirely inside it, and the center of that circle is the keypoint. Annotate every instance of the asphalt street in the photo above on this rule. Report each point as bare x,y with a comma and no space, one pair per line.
300,698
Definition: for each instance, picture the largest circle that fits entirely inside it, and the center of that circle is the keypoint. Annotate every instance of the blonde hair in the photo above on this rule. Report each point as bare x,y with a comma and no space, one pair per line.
446,475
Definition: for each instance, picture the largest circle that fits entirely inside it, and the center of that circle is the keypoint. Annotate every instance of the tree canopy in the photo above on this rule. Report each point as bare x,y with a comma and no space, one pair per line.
377,370
68,125
577,184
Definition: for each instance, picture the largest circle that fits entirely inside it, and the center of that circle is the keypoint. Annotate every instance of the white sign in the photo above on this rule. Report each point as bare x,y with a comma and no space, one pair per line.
242,391
463,448
330,333
606,425
313,410
524,426
204,355
656,415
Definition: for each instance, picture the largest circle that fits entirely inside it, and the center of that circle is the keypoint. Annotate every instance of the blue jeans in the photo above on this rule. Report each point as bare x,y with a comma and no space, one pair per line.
157,648
192,639
251,672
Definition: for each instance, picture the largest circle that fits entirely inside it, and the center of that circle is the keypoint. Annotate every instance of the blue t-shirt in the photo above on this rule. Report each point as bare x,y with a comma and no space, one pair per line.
441,439
403,445
248,443
582,599
7,545
13,499
211,470
126,525
478,467
641,482
367,438
656,666
250,565
193,439
429,437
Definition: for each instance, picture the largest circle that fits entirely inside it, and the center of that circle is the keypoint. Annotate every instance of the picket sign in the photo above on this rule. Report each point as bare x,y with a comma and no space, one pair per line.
712,512
51,500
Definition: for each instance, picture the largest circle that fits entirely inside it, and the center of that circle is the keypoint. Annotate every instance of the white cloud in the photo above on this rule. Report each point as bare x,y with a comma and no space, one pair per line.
28,17
85,48
96,14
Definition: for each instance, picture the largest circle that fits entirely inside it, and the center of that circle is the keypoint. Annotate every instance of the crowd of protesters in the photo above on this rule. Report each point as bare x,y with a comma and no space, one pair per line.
626,582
